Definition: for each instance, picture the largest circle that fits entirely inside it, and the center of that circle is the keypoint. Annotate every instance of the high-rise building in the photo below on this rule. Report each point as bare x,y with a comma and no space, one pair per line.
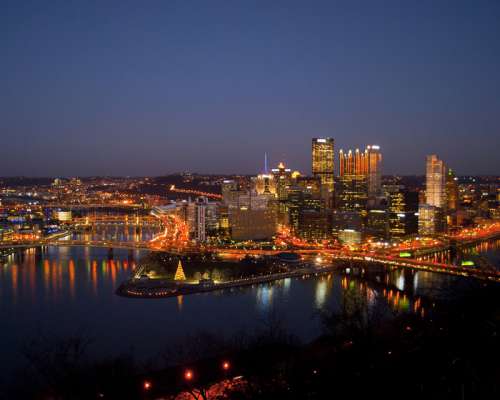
352,189
367,164
452,198
374,170
403,211
282,180
301,203
248,224
315,224
323,166
250,213
377,223
265,184
435,179
431,217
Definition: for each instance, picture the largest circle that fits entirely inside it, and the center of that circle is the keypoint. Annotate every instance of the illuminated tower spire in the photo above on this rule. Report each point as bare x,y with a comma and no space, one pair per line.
266,170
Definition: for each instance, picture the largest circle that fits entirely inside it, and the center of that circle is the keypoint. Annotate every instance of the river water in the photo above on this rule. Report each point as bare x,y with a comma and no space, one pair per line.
67,291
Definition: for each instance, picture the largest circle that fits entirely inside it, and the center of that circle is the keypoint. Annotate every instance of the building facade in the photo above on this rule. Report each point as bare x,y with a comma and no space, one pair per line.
323,166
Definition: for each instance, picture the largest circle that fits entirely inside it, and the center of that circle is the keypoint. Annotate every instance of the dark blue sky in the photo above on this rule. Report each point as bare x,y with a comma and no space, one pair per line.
136,88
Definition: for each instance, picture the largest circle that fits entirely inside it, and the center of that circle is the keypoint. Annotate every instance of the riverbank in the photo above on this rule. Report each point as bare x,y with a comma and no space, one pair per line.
152,288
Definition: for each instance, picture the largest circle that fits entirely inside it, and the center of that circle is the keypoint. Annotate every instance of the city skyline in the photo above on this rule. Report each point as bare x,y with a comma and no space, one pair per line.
131,90
249,199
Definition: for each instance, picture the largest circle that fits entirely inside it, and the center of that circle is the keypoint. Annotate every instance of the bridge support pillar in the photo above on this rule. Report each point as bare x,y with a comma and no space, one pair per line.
130,255
110,253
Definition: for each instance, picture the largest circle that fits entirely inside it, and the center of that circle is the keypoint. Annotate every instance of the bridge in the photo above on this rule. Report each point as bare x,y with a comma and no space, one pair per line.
135,220
195,192
83,206
79,243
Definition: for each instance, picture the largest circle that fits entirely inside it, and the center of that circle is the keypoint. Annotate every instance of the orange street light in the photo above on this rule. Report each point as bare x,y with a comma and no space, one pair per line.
226,365
146,385
188,375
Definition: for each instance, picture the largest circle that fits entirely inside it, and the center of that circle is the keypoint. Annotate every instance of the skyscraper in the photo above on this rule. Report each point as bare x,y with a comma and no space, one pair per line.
431,213
374,170
403,211
283,179
352,185
452,198
435,180
323,166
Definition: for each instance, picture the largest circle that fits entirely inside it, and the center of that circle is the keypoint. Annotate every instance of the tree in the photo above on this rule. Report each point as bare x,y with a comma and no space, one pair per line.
179,274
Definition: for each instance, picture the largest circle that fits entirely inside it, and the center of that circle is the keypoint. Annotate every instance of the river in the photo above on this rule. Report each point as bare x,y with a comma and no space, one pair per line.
65,291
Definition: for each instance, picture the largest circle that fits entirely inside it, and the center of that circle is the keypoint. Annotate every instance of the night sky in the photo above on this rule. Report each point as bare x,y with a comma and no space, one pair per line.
154,87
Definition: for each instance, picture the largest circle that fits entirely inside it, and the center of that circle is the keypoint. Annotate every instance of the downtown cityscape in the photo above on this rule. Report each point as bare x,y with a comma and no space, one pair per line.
250,201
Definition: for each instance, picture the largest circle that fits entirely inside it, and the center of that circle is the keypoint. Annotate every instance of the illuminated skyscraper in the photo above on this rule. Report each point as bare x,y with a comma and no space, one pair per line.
435,180
265,183
352,185
323,165
283,179
374,170
431,217
451,191
452,198
403,211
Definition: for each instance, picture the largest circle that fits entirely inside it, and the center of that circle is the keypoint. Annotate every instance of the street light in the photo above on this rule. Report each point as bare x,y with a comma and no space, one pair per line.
226,365
188,375
146,385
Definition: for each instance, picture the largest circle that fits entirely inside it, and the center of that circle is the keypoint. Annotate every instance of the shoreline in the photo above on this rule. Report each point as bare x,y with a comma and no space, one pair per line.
134,289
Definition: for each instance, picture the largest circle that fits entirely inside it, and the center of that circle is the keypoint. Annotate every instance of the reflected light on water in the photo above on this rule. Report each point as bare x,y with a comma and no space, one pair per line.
415,281
57,277
400,281
320,293
286,285
264,296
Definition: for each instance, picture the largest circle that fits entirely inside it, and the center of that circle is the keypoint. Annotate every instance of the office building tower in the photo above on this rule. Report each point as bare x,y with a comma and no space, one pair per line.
431,219
282,180
452,196
252,217
323,166
452,199
403,211
315,224
302,201
352,185
435,179
377,223
373,170
264,184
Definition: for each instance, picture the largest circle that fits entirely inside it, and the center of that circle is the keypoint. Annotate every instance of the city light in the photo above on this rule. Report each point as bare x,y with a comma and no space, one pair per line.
188,375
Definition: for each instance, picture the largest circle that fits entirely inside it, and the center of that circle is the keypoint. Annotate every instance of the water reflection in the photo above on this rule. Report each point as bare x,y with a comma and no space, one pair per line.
323,288
485,253
65,289
56,277
264,295
120,233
